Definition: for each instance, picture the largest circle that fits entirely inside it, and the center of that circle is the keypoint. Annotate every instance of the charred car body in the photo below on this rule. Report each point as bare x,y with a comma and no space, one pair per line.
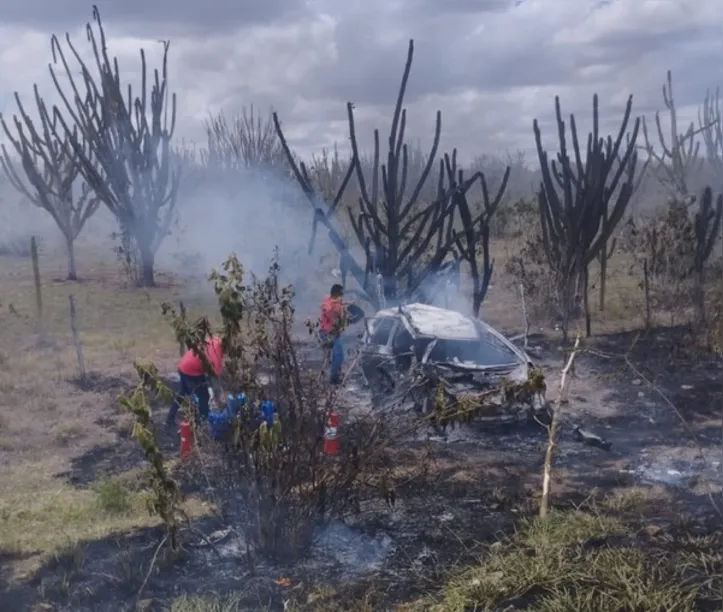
429,355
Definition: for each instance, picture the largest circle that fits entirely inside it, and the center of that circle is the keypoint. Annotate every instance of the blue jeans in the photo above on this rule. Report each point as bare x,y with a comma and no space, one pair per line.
337,356
189,386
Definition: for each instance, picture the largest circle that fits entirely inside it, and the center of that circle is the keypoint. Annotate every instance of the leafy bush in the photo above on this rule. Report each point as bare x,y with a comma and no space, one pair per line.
274,481
113,495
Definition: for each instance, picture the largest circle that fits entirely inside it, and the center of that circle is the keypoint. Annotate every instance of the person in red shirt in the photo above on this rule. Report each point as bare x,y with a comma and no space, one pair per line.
332,322
194,380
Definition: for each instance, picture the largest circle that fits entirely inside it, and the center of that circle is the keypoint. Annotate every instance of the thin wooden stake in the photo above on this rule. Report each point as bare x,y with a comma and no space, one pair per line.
552,430
525,318
76,337
182,311
36,276
646,289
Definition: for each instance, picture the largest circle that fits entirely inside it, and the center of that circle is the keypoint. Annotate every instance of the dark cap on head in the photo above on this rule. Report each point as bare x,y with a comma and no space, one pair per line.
336,290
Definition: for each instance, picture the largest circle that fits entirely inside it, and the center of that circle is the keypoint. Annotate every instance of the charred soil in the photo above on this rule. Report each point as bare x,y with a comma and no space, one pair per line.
75,534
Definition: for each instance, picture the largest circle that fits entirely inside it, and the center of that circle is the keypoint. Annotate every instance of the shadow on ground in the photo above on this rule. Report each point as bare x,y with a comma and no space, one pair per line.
123,454
434,526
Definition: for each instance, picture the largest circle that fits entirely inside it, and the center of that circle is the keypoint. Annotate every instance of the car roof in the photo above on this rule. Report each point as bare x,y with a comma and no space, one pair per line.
434,321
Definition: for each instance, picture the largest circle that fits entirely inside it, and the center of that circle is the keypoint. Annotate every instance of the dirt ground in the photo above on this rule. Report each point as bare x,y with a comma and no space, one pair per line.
75,533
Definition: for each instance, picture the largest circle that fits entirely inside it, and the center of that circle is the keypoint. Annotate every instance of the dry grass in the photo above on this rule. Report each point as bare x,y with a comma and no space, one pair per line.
587,561
624,301
49,420
206,604
41,517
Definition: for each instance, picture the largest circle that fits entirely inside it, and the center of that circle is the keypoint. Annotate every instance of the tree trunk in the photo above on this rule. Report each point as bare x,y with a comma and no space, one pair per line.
477,296
603,275
566,294
586,302
477,299
70,252
147,277
699,296
646,291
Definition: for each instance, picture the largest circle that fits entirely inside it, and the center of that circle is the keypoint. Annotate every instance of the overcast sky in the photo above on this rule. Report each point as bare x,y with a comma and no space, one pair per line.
490,66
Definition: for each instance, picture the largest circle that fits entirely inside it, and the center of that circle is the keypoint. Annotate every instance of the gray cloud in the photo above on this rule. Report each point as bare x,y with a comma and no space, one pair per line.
160,18
490,67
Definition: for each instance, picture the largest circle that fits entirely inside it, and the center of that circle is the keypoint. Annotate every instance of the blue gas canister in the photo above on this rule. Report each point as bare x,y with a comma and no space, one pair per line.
267,410
218,423
235,402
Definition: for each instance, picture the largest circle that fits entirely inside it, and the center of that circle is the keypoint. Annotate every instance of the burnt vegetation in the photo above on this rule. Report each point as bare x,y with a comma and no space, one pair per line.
407,242
405,227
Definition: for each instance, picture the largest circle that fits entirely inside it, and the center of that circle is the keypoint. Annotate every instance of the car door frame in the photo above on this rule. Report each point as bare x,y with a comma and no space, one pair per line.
372,355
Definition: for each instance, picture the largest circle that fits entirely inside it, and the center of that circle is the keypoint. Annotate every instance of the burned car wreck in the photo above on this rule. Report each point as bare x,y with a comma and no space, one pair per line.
451,367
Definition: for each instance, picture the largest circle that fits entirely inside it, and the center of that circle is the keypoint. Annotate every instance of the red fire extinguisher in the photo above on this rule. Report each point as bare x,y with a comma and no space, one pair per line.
186,439
331,433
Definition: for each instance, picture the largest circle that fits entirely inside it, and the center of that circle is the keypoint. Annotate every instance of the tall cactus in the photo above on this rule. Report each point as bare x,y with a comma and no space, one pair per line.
710,123
128,161
475,234
706,225
678,156
575,200
51,172
404,237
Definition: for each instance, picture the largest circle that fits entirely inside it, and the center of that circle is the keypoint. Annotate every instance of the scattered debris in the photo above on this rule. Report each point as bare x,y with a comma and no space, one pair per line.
590,438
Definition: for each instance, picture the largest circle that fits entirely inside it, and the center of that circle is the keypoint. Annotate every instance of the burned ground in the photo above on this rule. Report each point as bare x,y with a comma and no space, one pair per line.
75,533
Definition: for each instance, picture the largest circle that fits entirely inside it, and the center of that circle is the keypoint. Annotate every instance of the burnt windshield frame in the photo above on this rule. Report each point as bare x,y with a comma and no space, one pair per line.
477,351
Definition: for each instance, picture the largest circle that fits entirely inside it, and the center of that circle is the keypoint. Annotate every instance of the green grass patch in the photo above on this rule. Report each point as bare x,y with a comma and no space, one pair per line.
587,562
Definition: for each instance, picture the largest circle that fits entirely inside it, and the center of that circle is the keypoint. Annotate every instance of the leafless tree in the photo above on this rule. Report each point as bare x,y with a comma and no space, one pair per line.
574,201
51,171
246,141
405,240
122,143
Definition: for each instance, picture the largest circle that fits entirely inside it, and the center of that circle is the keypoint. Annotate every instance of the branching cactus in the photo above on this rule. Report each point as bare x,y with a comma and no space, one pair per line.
406,239
582,198
707,226
678,156
122,143
474,239
51,172
710,122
